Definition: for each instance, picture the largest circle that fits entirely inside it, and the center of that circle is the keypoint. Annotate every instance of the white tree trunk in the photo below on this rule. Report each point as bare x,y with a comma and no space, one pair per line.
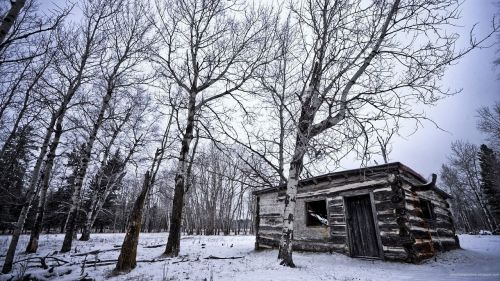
82,171
30,194
10,18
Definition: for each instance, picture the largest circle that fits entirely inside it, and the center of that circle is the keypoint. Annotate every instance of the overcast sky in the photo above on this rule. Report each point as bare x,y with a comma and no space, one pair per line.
476,75
426,150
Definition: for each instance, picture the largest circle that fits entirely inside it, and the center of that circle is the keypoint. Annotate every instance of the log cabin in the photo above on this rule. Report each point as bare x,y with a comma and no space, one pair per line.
386,212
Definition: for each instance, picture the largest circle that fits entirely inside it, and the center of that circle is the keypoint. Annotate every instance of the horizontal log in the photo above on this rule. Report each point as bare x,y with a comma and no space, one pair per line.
270,228
271,221
336,210
383,195
337,221
388,227
341,187
424,248
446,245
222,258
338,239
386,218
384,206
270,215
391,240
336,202
395,256
268,242
420,234
337,228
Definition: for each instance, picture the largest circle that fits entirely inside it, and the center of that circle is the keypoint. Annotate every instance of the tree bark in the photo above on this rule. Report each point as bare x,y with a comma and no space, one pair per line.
128,253
95,203
10,18
77,187
173,243
30,194
35,232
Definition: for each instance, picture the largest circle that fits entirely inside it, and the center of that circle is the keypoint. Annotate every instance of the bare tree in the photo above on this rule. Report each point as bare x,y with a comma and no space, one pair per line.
9,19
489,123
115,72
128,252
35,174
461,175
127,34
358,66
211,50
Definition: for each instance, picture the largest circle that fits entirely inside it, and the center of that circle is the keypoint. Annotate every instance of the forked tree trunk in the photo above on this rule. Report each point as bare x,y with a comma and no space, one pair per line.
174,237
301,142
30,194
37,228
128,252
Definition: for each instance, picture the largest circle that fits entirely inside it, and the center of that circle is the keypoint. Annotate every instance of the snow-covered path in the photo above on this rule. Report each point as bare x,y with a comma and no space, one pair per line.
478,260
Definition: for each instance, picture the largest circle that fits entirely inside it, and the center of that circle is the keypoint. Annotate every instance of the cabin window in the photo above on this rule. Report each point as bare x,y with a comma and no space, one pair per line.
427,209
316,214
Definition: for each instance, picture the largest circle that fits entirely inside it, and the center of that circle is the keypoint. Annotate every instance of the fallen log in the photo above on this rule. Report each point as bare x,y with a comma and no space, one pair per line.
43,261
95,263
155,246
222,258
185,260
95,252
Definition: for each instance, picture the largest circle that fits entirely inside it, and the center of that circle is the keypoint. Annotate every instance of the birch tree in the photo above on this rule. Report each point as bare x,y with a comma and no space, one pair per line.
127,33
9,19
35,173
106,182
211,49
361,62
463,168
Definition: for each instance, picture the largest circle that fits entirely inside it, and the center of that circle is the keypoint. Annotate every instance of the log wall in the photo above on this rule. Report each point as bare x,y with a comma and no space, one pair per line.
441,230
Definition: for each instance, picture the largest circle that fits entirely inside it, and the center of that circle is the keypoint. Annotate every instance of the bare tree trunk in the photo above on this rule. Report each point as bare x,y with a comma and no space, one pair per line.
97,201
307,130
173,243
285,246
128,252
35,232
10,18
82,171
30,194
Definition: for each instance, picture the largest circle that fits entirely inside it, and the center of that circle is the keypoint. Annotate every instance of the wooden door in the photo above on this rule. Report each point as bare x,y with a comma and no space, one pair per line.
362,235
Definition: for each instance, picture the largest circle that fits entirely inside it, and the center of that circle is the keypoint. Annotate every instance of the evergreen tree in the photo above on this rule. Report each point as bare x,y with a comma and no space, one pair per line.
490,184
13,166
102,190
57,202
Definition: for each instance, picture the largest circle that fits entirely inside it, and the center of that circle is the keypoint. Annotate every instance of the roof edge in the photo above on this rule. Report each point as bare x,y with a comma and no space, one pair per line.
329,176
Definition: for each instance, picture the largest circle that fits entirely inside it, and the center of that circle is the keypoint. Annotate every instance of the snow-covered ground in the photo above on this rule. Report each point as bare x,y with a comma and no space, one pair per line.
478,260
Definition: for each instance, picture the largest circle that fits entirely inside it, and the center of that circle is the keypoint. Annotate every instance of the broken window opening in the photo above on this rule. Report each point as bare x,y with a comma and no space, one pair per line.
427,209
316,214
